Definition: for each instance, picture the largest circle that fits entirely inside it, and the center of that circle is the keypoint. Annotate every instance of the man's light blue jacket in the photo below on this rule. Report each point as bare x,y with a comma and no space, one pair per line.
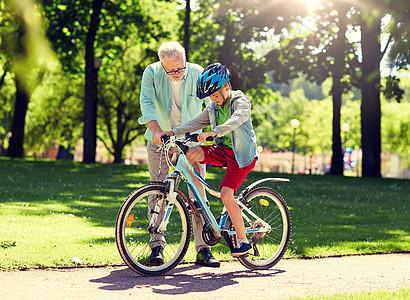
156,97
239,125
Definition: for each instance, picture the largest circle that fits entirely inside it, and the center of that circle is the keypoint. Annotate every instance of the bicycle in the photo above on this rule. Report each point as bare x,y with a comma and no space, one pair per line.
266,217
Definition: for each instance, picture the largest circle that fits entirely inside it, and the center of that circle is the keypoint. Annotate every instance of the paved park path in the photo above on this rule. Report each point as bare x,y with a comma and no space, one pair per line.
288,279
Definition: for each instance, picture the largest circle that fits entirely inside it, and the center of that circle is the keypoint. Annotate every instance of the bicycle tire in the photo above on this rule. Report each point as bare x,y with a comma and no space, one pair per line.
272,208
133,240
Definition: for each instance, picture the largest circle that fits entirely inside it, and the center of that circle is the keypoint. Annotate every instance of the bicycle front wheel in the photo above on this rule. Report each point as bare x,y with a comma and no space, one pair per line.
133,239
269,247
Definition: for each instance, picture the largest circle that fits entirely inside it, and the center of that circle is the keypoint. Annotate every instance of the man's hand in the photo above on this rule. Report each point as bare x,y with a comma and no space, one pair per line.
156,138
203,135
170,133
156,132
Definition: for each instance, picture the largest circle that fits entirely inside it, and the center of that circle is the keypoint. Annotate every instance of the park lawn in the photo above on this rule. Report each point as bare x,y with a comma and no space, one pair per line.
58,213
400,294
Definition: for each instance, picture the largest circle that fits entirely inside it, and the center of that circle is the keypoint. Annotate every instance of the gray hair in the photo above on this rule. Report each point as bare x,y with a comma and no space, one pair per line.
171,50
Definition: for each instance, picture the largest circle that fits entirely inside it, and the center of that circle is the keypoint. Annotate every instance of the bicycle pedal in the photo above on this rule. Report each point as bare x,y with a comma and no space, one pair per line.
241,256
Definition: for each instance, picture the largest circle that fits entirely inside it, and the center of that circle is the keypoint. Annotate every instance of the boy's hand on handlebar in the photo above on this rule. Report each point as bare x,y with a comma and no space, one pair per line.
202,137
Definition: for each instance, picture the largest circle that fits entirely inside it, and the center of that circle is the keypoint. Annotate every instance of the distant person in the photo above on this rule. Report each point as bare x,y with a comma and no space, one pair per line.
168,99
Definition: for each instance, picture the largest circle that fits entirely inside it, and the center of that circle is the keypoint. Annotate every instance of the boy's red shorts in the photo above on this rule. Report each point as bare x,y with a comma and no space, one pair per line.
234,175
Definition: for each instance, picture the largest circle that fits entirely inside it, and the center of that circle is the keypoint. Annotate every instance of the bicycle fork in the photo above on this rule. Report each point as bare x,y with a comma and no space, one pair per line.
169,198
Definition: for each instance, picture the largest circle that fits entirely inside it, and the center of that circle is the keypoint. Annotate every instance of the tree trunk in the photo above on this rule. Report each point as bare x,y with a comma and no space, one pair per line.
118,153
3,77
370,107
90,95
336,167
187,28
16,144
119,144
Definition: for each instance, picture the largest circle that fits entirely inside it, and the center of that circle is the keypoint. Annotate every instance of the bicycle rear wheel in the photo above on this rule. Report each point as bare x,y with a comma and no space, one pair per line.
269,247
132,236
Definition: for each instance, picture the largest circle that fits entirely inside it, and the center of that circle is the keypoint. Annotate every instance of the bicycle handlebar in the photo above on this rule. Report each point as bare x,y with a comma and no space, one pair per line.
188,138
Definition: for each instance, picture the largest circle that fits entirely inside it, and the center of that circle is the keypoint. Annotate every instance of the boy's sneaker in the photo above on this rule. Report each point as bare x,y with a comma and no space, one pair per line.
241,249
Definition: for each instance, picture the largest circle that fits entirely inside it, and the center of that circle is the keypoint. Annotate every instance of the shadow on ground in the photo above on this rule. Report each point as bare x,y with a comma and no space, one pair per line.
178,282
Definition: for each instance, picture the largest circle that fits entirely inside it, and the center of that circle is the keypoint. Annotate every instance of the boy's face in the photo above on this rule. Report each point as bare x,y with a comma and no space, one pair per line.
217,97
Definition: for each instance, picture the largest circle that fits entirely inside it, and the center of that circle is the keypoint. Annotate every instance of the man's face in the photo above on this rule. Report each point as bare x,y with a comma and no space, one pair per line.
176,66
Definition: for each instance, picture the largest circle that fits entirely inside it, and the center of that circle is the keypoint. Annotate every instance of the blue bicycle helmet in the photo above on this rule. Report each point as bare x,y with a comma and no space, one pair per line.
211,80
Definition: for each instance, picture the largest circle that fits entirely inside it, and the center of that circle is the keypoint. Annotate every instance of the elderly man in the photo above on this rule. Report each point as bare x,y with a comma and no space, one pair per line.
168,99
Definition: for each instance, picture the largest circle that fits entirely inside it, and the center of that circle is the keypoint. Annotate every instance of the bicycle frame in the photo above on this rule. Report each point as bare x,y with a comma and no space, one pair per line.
185,168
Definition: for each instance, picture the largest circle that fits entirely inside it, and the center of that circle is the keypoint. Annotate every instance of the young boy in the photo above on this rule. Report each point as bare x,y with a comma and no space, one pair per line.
229,115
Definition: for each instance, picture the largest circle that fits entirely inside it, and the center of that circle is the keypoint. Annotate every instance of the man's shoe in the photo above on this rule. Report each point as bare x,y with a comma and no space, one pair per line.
156,256
205,258
241,249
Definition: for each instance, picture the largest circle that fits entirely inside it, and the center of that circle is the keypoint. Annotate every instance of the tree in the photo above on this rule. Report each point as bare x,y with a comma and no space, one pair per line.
187,24
396,129
16,142
225,32
320,54
370,109
372,54
119,106
272,118
129,50
119,91
335,57
7,94
72,28
90,95
56,113
28,55
321,51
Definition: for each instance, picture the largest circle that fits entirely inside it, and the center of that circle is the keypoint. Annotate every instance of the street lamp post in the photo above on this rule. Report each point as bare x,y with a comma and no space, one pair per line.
295,123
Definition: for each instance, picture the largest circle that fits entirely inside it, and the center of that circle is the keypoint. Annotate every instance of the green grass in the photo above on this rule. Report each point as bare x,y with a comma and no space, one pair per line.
53,212
400,294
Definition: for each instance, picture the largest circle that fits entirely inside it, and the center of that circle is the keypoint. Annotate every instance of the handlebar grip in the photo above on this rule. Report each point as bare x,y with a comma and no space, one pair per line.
194,137
191,137
165,138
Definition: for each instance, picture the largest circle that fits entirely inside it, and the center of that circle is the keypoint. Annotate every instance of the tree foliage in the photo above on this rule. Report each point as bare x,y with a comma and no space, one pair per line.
272,117
396,129
55,113
27,55
227,31
122,26
252,37
119,98
129,49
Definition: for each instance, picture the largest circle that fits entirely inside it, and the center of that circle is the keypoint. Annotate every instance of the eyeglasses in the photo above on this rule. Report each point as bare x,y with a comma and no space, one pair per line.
180,70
